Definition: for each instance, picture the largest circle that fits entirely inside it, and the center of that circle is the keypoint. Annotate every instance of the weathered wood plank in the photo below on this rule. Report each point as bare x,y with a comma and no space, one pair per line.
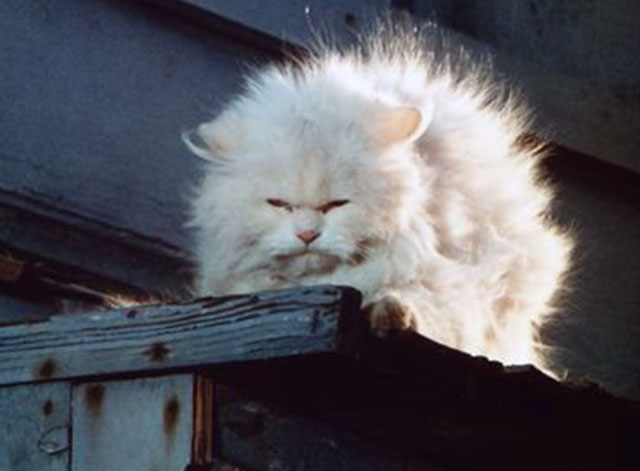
406,393
204,422
141,424
34,427
209,331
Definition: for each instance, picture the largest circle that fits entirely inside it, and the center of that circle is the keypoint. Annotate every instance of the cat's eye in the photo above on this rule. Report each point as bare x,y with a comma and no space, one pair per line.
325,208
279,204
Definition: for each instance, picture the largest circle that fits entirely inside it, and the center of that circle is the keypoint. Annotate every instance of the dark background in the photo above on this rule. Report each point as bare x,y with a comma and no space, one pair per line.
94,178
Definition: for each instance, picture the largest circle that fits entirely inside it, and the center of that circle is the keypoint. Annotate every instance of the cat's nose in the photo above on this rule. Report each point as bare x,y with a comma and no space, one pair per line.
307,236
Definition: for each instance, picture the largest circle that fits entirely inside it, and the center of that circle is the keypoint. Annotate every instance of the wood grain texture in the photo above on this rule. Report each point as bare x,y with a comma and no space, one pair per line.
141,424
209,331
34,427
204,422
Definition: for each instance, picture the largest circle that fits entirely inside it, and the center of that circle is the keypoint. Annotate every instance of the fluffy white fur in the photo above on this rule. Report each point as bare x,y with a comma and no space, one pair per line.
445,228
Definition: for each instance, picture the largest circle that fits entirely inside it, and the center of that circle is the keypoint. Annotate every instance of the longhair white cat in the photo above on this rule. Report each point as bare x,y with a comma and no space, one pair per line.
393,169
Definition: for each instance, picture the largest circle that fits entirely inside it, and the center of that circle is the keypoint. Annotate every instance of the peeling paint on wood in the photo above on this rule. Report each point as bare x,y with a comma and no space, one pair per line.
162,337
405,390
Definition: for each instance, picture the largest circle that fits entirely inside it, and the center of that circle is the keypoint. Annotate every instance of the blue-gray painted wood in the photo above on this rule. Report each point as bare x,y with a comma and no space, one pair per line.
13,309
209,331
93,98
578,63
34,427
140,424
108,259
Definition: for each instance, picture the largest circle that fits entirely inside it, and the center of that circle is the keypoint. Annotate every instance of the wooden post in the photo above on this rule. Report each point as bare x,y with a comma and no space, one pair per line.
204,427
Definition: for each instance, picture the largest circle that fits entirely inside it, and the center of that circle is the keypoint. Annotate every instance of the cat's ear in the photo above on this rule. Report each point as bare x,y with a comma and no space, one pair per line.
392,124
212,140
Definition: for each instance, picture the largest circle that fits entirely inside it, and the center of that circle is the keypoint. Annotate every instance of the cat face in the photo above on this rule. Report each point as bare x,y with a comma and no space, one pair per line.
300,207
300,190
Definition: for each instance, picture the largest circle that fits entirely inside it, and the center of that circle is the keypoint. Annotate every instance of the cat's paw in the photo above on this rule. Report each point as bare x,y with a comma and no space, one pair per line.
388,314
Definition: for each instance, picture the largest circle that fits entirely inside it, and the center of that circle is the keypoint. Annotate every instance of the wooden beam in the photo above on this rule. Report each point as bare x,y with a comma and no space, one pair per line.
307,351
168,337
204,426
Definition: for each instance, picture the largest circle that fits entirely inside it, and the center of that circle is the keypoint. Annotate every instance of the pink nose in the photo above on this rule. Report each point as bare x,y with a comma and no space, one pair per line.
307,236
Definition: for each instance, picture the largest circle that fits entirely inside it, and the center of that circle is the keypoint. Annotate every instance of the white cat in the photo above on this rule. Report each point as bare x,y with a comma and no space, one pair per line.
383,169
